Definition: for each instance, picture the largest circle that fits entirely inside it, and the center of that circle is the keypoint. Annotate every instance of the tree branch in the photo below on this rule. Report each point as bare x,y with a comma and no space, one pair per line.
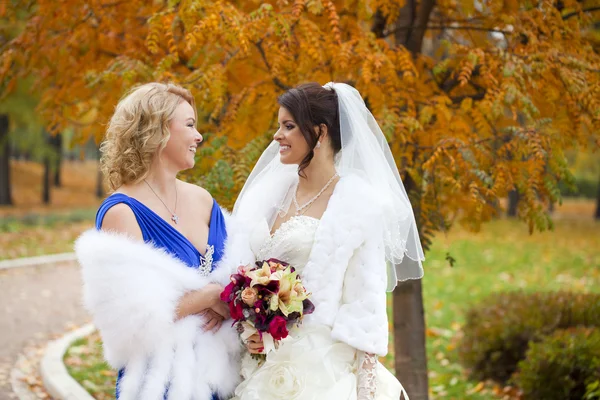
477,96
378,27
116,3
263,55
443,27
574,13
453,145
444,20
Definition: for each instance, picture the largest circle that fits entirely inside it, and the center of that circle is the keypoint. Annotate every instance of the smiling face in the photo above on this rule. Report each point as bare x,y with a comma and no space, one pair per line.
180,150
293,145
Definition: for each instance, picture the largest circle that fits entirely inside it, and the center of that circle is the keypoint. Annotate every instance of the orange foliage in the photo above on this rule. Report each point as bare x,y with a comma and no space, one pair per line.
489,101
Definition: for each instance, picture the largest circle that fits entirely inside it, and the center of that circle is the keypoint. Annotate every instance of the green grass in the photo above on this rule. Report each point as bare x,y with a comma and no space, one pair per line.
39,234
501,257
85,363
20,223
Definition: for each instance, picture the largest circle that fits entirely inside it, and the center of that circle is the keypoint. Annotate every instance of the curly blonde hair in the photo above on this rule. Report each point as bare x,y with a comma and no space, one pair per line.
138,130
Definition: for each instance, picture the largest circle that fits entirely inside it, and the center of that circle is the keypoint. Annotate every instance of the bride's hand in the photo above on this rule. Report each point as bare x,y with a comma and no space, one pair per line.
254,344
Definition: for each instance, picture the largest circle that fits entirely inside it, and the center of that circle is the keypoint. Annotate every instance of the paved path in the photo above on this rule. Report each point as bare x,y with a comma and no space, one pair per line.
36,304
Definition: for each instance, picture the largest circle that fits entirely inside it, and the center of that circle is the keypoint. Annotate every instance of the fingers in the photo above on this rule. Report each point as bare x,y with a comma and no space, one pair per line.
210,314
255,348
254,344
210,324
218,326
213,321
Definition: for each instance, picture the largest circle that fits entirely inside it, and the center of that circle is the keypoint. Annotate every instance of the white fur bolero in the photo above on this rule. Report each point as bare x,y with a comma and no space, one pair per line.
346,272
132,289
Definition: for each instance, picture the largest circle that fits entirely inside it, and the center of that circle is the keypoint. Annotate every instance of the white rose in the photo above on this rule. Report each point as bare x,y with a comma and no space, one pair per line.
283,381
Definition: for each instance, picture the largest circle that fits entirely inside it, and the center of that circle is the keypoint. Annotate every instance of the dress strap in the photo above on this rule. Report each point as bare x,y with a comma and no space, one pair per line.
218,232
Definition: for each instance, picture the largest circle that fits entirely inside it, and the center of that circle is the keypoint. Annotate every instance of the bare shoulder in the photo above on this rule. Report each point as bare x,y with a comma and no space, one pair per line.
120,219
197,194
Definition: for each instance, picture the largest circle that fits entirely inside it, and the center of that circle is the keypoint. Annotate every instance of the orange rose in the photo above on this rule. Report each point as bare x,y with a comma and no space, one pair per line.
249,296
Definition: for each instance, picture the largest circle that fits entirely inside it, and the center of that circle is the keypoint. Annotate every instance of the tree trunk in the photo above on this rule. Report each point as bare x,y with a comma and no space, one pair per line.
5,189
46,181
410,26
597,216
409,339
47,169
99,179
410,350
56,142
513,202
409,316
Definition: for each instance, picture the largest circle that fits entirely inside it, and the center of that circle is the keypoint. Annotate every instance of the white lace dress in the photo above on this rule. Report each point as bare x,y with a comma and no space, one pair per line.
309,364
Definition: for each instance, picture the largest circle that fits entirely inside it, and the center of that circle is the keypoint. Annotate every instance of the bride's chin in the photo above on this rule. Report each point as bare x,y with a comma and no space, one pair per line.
286,160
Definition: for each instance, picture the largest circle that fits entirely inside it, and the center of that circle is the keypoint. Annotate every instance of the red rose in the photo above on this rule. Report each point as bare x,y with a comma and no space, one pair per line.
236,310
226,293
278,328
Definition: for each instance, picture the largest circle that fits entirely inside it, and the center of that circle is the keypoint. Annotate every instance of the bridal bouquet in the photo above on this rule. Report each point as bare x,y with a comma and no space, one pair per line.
267,299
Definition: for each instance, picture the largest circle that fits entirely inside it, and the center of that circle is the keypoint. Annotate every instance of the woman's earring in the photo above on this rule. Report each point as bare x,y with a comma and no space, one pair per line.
318,145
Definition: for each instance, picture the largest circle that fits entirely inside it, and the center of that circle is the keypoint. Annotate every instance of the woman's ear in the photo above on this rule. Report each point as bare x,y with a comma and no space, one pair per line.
321,131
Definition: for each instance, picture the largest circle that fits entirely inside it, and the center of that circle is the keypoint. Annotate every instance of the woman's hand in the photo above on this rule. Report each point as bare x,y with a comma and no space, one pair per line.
222,309
212,291
197,301
255,345
213,320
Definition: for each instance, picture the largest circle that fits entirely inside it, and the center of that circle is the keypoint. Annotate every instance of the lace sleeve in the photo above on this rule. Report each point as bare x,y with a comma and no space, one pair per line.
367,376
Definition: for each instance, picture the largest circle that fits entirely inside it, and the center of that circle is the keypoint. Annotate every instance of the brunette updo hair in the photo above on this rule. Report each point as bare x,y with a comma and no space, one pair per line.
311,106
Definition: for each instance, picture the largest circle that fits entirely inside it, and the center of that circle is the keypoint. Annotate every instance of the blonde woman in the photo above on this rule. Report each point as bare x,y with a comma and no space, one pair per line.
150,268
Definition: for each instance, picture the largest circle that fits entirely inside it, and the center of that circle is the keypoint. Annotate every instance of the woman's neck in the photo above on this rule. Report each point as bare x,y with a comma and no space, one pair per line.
316,175
163,182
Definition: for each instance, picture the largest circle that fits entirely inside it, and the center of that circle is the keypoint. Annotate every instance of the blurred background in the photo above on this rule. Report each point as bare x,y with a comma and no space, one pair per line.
491,109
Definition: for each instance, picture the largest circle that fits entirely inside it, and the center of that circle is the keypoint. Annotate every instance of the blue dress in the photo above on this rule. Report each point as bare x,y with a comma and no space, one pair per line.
161,234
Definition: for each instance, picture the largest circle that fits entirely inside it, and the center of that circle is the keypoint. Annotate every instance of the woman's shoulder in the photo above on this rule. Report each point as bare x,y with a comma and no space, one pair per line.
196,193
116,206
120,218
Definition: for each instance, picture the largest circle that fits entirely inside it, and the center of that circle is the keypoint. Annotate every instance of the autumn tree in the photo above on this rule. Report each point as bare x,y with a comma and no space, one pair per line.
5,192
476,98
20,127
7,33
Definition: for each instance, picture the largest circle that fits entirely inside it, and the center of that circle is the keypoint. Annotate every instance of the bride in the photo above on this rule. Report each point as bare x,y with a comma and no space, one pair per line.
327,198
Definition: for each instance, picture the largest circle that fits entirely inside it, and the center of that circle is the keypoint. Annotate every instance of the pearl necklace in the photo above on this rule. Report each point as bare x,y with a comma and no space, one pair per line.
305,206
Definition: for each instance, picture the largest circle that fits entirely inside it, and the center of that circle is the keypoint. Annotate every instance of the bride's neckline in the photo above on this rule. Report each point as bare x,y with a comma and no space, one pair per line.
292,219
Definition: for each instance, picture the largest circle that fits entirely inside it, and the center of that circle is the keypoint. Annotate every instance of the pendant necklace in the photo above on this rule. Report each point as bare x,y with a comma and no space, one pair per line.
174,216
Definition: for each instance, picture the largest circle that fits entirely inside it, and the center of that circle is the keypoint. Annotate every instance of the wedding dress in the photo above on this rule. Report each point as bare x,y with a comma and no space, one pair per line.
310,364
